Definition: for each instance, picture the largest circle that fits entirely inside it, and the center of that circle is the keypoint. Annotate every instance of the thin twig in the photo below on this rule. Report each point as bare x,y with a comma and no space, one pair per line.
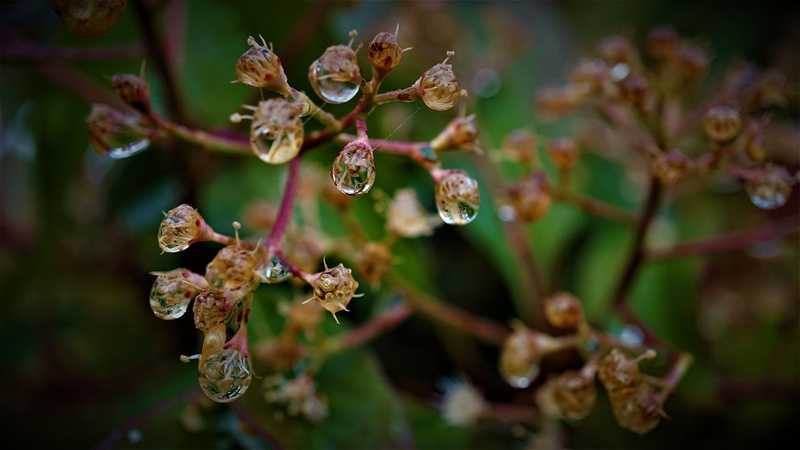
286,207
595,207
376,326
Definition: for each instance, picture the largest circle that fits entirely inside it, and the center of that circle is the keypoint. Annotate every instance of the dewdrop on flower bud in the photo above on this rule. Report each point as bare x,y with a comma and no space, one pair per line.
384,52
722,123
563,152
521,353
260,67
274,270
276,131
115,133
172,291
211,308
771,188
233,267
89,18
225,375
563,310
333,288
457,197
571,395
438,87
671,166
616,370
335,76
405,216
461,132
133,90
353,170
529,198
180,227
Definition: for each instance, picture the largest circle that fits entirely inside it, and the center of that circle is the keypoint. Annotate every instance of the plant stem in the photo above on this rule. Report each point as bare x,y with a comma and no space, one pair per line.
671,380
595,207
286,207
405,95
376,326
411,150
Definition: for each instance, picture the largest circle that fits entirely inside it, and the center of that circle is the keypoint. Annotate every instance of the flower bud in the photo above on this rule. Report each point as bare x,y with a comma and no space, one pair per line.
333,288
671,166
226,375
457,197
618,371
260,67
771,188
335,76
636,409
353,170
692,61
552,103
115,133
563,310
438,87
181,227
634,90
405,216
260,215
172,291
374,261
563,152
276,132
592,74
462,404
722,123
133,90
299,395
520,146
529,198
461,132
520,356
89,18
384,52
211,308
662,42
233,267
571,395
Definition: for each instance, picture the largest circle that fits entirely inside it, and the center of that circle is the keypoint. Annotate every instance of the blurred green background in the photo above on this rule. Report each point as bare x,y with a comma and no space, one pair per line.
86,364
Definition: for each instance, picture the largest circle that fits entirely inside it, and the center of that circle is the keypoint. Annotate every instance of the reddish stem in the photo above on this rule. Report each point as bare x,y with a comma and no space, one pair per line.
286,207
379,324
361,129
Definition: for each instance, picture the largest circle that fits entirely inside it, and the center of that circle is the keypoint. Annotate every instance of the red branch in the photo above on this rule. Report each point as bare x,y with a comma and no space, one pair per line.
379,324
286,207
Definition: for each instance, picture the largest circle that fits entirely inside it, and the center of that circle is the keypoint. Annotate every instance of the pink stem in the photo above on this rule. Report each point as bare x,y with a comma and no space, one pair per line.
361,129
287,205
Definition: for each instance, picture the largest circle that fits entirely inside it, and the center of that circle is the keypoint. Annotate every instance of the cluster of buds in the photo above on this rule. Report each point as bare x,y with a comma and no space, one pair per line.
571,395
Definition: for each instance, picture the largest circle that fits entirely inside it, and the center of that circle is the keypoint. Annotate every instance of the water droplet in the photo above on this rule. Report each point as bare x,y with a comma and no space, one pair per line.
631,336
173,291
276,146
620,71
353,170
180,227
331,87
457,198
274,271
225,376
521,380
772,189
130,149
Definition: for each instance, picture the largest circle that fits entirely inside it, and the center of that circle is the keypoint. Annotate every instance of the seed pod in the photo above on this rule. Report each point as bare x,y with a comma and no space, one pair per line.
116,134
563,310
211,307
226,375
133,90
405,216
671,166
520,356
461,132
89,18
233,267
530,198
457,197
353,170
374,261
384,52
276,132
335,76
172,291
333,288
438,87
571,395
722,123
771,189
563,152
260,67
520,146
181,227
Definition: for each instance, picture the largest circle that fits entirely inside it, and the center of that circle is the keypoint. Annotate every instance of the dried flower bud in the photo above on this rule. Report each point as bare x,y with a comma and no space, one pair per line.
563,152
353,170
405,216
299,395
172,291
115,133
722,123
462,404
571,395
457,197
133,90
211,308
276,132
521,353
618,371
260,67
692,61
335,76
181,227
226,375
563,310
671,166
461,132
384,52
333,288
592,74
529,198
636,409
520,146
617,49
260,215
771,188
438,87
89,18
233,267
663,42
374,261
552,103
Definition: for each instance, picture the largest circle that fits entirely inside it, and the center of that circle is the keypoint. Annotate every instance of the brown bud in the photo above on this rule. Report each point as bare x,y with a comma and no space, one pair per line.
563,152
260,67
374,261
722,123
571,395
335,76
592,73
671,166
530,197
563,310
333,288
692,61
555,102
520,146
521,353
233,267
662,42
439,88
133,90
461,132
384,52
